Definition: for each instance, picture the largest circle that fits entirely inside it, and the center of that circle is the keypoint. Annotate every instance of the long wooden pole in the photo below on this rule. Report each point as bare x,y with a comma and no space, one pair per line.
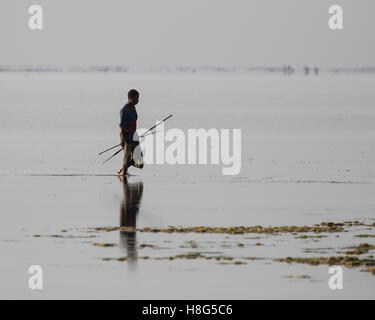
112,156
157,124
117,145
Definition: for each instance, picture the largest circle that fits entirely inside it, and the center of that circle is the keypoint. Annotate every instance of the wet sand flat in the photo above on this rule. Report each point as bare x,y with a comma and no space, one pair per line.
307,157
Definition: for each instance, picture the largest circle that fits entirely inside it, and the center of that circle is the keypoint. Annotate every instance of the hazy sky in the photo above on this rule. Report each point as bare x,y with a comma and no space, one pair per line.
188,33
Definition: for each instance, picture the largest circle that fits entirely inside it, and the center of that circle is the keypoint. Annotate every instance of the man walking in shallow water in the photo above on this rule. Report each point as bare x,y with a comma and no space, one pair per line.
128,127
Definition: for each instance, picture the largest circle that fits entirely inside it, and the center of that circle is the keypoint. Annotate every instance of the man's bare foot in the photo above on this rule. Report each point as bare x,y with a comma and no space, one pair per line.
121,172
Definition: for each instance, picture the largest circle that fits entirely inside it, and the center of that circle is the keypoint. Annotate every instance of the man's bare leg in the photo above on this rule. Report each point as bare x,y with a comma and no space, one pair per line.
127,160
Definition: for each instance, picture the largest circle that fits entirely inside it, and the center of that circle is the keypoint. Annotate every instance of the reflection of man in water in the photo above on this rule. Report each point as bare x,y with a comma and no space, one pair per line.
128,216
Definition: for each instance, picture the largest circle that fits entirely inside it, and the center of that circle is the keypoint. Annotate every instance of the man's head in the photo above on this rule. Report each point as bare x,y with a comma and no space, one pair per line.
133,96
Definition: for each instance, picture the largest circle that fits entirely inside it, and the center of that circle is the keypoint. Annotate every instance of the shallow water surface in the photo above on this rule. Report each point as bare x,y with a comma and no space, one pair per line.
307,157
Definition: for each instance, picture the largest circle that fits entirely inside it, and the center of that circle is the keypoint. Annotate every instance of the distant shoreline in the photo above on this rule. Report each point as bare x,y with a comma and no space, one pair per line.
172,69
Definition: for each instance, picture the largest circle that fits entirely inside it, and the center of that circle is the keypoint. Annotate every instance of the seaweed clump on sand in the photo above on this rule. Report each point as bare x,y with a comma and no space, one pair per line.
252,229
145,245
198,255
104,245
109,229
334,260
190,255
117,259
362,248
324,227
236,263
303,236
63,237
301,276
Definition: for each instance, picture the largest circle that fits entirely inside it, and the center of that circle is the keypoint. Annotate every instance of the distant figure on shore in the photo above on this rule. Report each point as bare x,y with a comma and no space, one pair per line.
129,209
316,71
306,70
128,126
287,70
284,69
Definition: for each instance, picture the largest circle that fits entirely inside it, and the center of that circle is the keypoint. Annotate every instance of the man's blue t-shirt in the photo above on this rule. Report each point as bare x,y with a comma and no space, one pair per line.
128,117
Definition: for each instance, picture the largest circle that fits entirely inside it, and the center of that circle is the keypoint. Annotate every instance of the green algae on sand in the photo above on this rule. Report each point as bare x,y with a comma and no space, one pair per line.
334,260
362,248
324,227
104,245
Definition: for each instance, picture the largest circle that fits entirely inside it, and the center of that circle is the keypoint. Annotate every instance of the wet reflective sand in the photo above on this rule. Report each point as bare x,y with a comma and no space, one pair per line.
308,154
